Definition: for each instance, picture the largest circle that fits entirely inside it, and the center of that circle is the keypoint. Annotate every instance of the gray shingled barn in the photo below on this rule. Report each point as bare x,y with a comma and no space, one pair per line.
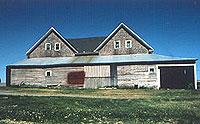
121,59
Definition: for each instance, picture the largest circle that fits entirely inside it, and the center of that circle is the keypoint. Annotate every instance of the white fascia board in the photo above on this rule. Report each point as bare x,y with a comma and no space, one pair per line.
52,28
65,40
108,37
39,40
151,49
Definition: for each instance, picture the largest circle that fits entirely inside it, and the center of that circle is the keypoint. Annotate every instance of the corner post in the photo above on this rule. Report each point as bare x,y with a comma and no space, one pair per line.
8,74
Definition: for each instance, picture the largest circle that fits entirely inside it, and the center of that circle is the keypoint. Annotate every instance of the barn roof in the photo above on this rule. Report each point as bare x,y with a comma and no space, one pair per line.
100,60
86,44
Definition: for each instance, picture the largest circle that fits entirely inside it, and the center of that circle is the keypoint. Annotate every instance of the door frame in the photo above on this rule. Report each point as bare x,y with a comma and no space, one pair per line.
166,65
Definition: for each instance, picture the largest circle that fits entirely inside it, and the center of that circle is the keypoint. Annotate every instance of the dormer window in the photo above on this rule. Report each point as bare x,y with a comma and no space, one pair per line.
117,44
57,46
128,43
47,46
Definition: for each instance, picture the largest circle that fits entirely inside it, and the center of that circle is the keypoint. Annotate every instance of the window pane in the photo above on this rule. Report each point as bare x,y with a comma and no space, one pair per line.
48,46
48,73
152,70
128,44
117,44
57,46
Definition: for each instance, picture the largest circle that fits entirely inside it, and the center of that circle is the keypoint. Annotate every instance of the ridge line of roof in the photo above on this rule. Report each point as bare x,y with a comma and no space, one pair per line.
85,37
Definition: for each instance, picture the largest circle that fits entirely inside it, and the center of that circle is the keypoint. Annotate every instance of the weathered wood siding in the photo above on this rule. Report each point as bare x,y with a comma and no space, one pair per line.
36,76
40,51
97,76
122,35
137,74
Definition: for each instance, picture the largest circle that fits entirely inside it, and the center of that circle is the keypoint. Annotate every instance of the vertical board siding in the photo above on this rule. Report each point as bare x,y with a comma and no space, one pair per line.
97,76
136,74
97,71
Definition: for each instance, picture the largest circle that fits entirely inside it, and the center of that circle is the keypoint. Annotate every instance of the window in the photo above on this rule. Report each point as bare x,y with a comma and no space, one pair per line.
128,43
152,70
185,71
48,73
47,46
57,46
117,44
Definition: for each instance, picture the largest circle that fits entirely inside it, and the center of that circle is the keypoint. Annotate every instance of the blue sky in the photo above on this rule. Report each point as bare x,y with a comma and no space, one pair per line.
171,27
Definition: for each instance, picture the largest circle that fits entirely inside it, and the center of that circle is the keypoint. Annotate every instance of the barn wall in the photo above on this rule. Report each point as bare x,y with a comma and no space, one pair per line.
97,76
122,35
137,74
40,51
36,76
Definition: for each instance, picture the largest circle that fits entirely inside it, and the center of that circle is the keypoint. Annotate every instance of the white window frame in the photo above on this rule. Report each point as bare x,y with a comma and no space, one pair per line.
149,70
47,72
55,47
46,46
115,44
126,41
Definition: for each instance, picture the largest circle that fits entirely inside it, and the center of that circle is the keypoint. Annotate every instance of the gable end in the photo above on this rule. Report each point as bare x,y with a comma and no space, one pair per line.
51,30
131,33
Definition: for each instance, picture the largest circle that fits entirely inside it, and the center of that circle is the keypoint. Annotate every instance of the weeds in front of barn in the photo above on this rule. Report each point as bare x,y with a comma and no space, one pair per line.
165,106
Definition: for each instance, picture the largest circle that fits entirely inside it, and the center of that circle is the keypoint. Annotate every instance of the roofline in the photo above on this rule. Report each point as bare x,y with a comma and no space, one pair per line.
45,35
118,63
114,31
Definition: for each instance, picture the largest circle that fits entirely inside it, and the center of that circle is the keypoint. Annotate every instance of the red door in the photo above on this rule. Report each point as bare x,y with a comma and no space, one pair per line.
76,78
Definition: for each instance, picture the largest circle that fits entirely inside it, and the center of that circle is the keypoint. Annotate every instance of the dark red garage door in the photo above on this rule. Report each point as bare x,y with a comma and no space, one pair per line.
76,78
176,77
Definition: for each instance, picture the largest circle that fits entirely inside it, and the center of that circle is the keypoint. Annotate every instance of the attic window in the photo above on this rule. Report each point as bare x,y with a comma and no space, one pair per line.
117,44
57,46
128,43
47,46
48,73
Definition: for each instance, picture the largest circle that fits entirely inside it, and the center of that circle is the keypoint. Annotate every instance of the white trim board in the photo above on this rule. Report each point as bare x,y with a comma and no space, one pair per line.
158,72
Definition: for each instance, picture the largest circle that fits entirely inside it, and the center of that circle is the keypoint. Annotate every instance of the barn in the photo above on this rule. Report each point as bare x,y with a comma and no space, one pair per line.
122,58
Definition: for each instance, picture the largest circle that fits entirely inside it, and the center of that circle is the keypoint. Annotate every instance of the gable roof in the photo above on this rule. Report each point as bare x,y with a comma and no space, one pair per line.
133,34
52,29
86,45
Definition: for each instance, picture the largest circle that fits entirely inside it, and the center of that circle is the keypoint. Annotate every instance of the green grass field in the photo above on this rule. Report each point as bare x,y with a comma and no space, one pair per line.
157,106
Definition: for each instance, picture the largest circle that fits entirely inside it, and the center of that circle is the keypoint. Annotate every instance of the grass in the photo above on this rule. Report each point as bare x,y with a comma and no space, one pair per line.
159,106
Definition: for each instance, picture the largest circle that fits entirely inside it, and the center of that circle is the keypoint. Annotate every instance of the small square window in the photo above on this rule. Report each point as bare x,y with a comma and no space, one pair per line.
152,70
47,46
117,44
128,43
48,73
57,46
